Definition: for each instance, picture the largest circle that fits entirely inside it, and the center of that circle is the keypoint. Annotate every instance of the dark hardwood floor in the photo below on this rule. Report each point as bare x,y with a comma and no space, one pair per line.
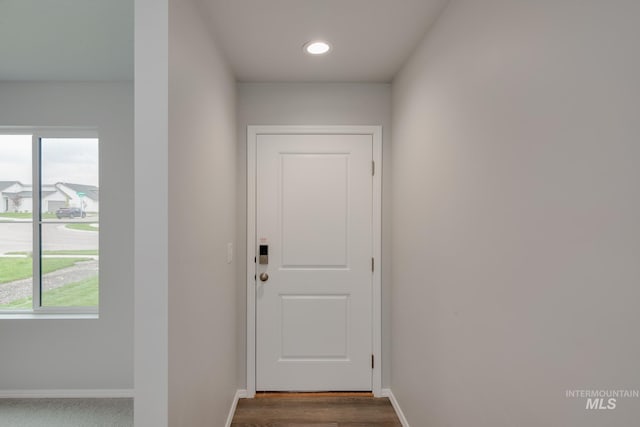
315,410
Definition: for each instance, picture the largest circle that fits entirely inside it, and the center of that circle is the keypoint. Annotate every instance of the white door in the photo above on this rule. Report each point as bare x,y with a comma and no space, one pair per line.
314,213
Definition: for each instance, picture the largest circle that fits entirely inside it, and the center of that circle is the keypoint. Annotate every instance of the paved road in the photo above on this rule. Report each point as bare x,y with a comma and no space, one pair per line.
17,236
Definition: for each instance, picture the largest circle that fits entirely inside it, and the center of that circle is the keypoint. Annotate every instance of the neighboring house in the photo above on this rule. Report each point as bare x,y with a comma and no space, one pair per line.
20,201
18,197
9,195
53,199
80,196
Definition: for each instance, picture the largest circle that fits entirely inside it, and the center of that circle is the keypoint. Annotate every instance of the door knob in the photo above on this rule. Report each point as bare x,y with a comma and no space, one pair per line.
264,277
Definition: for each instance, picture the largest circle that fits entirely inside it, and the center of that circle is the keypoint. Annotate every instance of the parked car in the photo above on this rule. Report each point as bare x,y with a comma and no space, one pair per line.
70,213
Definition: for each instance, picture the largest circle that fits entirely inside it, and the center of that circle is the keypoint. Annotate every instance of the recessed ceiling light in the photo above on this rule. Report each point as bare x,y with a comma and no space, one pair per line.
317,47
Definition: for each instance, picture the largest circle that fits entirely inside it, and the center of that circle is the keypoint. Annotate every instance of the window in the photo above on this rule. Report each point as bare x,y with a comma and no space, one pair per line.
49,221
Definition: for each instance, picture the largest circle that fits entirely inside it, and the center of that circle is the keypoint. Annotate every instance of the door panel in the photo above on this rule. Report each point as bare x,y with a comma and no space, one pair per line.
313,314
302,313
314,210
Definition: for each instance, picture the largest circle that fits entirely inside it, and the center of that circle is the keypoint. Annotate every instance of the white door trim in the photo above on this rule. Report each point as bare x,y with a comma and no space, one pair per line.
252,137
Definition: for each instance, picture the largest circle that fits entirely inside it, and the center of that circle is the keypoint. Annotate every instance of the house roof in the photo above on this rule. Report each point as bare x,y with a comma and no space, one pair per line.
21,194
7,184
90,191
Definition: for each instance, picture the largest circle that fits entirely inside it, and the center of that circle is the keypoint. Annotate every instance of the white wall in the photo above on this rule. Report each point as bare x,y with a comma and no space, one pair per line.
312,104
151,213
81,354
516,205
202,210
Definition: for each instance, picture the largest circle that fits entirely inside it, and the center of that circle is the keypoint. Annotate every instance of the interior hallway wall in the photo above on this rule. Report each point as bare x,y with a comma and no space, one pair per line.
515,215
43,354
202,208
151,213
312,104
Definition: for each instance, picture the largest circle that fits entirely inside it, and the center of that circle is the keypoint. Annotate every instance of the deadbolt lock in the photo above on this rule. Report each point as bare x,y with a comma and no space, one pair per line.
263,258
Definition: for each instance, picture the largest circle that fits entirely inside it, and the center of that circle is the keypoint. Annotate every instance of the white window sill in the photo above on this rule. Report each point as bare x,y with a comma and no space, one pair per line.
49,316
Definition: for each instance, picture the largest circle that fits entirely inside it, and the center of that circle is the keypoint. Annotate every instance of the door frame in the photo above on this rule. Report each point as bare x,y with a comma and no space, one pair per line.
252,141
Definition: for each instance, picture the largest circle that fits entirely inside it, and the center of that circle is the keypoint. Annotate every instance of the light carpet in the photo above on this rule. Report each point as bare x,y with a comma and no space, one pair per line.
66,412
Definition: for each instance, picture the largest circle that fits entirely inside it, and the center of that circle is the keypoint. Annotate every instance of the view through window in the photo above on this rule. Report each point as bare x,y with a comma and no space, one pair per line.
49,231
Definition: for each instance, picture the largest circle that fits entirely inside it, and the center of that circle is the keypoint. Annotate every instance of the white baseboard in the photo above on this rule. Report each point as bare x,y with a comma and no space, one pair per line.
68,394
240,394
386,392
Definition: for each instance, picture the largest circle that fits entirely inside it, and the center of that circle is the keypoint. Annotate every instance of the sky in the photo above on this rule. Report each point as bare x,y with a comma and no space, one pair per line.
73,160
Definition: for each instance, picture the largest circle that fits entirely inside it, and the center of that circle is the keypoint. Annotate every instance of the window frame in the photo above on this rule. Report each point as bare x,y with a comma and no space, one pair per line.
37,134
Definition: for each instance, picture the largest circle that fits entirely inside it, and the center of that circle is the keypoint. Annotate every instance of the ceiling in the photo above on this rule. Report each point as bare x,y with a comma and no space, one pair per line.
66,40
92,40
371,39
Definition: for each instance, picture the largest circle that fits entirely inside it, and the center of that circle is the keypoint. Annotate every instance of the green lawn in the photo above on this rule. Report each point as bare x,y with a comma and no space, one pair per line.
81,226
78,294
25,215
72,252
21,268
61,252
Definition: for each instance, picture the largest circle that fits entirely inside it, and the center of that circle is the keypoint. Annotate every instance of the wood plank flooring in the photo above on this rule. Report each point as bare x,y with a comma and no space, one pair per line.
315,410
